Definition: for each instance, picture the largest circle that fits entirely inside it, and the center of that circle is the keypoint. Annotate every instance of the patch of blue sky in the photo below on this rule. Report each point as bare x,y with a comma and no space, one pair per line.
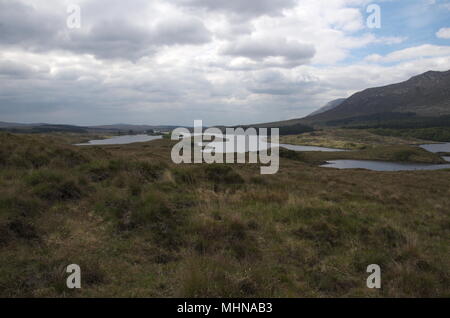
415,22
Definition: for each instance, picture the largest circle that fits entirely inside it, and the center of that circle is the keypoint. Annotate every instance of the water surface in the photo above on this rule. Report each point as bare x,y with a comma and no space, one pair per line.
120,140
445,147
223,147
394,166
383,165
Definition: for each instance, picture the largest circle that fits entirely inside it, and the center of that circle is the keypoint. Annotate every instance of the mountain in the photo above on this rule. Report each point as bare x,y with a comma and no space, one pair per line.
420,102
329,106
423,96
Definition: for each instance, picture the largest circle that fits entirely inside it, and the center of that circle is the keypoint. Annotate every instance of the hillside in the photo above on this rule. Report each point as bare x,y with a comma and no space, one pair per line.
329,106
422,101
425,95
45,128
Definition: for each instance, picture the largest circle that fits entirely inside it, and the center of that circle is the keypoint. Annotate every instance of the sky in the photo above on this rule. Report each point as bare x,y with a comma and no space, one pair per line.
225,62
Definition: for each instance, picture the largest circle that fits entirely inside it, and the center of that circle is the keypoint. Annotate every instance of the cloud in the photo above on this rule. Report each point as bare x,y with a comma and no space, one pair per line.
416,52
108,35
181,31
11,69
287,84
272,51
23,25
445,6
170,62
242,8
121,39
443,33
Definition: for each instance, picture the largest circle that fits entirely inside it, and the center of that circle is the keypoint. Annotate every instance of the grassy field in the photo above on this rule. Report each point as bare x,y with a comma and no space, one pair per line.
141,226
362,145
351,139
441,134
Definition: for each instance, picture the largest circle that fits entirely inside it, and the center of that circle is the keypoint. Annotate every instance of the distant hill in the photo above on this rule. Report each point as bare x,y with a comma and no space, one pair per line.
127,127
425,95
329,106
9,125
40,128
423,101
44,128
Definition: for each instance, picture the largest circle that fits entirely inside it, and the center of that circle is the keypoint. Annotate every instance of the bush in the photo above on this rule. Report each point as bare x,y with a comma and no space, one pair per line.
64,157
20,206
223,174
231,235
53,186
403,155
156,214
149,171
66,190
292,155
99,170
43,176
188,176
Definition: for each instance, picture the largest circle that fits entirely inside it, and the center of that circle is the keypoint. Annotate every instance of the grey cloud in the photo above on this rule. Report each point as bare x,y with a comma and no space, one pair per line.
185,31
120,39
13,69
244,8
292,53
275,83
111,39
107,36
231,30
24,25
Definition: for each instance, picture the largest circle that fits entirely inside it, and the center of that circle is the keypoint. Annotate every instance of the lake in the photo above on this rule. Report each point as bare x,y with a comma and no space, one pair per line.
445,147
394,166
383,165
338,164
217,146
242,145
120,140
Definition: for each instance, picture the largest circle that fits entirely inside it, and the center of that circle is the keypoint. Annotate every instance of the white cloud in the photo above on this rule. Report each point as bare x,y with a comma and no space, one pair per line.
445,6
443,33
416,52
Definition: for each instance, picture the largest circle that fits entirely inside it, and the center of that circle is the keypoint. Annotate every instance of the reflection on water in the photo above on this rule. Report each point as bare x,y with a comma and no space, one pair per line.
121,140
383,165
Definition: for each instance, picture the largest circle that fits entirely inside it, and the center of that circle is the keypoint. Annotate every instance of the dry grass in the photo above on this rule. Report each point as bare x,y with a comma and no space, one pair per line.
140,226
352,139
